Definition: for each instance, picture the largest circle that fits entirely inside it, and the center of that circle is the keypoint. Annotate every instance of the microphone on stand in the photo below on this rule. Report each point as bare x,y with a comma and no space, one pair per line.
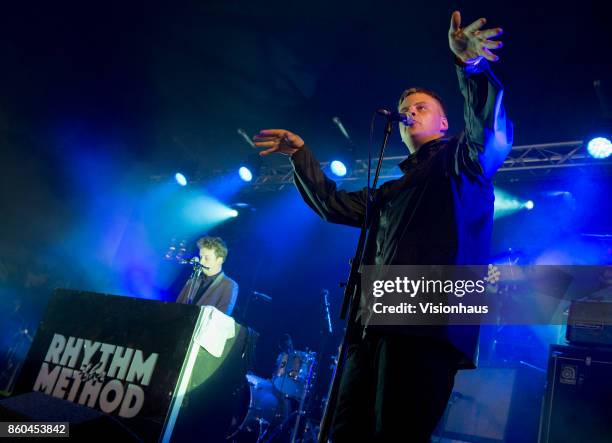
246,137
262,296
341,127
396,116
325,293
194,261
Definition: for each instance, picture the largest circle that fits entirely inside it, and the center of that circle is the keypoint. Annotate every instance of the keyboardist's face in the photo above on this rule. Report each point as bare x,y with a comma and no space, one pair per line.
209,259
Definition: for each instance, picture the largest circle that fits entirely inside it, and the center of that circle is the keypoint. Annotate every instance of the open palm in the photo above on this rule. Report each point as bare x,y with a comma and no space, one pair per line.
471,43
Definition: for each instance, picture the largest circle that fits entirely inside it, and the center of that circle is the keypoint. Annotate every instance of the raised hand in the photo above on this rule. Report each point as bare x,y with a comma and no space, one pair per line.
278,140
470,44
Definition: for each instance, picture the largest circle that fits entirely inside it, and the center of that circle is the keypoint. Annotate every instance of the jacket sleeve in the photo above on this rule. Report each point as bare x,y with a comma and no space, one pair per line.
322,195
487,139
227,301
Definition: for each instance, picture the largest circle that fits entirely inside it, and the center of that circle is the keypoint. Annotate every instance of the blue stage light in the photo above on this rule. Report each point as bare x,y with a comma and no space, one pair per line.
599,147
338,168
245,174
202,211
507,204
180,179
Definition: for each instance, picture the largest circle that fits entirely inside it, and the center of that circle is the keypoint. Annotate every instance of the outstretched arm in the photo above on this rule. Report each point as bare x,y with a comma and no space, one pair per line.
319,192
487,130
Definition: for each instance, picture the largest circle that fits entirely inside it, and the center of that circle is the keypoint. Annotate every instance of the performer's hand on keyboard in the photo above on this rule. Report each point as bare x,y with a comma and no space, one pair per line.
278,140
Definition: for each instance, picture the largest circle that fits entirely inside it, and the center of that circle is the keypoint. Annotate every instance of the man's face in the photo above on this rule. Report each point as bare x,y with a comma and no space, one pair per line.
209,259
429,120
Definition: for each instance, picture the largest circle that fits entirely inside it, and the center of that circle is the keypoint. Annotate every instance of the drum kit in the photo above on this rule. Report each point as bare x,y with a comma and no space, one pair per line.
271,409
284,408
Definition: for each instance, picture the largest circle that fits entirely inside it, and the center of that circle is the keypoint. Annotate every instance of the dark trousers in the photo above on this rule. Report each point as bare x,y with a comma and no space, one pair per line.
394,389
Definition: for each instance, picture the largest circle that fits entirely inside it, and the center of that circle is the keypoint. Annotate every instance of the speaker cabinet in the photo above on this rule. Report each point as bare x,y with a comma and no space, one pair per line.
578,402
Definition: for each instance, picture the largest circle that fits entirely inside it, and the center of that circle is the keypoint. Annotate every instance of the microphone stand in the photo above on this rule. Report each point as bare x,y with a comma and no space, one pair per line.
325,293
195,274
352,294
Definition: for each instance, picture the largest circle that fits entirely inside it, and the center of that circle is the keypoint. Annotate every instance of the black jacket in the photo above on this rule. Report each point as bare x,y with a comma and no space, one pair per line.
440,211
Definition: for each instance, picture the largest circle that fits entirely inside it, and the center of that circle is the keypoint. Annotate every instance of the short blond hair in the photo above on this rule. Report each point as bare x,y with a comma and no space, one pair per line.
214,243
428,92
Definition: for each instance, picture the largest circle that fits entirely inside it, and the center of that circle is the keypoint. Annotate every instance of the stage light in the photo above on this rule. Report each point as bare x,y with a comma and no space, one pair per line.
338,168
599,147
204,211
180,179
245,174
241,209
507,204
250,168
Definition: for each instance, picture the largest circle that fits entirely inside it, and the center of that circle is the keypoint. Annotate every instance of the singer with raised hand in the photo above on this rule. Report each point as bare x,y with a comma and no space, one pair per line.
208,285
397,379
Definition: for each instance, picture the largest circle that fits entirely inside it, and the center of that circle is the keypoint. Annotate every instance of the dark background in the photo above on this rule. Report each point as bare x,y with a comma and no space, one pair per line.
98,98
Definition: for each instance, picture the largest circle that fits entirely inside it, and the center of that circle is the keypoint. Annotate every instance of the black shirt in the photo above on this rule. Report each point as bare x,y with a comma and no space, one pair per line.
207,280
440,211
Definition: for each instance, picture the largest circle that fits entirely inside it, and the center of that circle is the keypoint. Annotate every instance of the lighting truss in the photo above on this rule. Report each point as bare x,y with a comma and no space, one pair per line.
535,161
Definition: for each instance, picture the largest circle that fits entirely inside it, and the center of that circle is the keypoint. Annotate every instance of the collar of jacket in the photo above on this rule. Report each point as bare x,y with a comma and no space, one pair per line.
420,153
211,277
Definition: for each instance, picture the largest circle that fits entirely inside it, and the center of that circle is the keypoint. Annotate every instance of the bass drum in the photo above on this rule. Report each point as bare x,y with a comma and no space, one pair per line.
262,410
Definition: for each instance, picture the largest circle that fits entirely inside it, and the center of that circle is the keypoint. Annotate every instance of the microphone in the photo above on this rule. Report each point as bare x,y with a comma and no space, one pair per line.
195,261
340,126
325,293
396,116
263,296
246,137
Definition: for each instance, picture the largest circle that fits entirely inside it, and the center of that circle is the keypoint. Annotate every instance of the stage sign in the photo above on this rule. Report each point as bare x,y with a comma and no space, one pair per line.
134,359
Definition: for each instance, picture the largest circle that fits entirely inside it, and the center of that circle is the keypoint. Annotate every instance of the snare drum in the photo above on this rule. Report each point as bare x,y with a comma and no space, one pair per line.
293,373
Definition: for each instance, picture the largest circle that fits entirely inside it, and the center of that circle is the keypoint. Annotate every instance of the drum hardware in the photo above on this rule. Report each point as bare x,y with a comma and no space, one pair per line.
281,404
13,358
301,412
311,432
264,409
267,403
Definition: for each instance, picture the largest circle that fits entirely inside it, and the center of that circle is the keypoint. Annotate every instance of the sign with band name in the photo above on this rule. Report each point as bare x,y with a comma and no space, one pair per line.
120,355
